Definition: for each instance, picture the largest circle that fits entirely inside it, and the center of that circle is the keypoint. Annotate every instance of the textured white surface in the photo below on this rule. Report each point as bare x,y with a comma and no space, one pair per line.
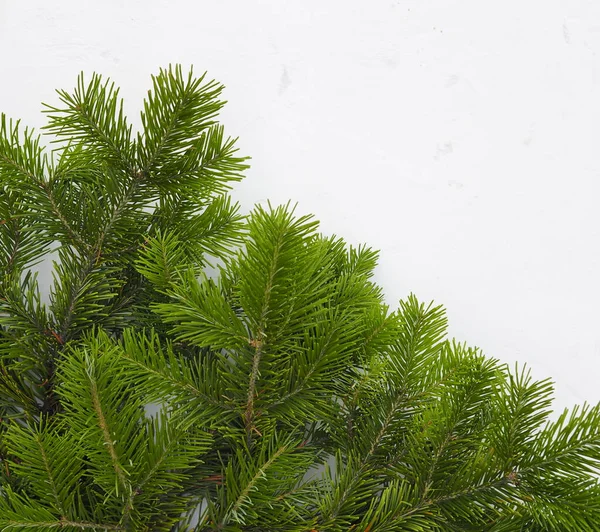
460,138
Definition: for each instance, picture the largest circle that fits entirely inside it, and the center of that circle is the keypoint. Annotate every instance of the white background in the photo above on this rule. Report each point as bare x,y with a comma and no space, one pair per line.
460,138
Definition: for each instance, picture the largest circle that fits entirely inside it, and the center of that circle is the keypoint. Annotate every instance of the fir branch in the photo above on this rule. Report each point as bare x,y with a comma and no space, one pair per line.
182,385
74,294
13,252
175,112
116,213
72,233
22,160
61,523
249,408
107,437
166,373
568,446
50,475
259,336
94,115
394,407
306,381
243,497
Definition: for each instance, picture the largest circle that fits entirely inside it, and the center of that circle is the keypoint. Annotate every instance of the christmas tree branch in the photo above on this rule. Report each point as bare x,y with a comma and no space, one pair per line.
108,437
65,524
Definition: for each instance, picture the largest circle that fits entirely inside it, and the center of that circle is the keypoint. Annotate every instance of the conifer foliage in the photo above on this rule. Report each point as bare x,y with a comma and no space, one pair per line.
280,395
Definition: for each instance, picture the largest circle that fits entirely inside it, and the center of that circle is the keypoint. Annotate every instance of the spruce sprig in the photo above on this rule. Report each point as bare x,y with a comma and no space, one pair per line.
281,394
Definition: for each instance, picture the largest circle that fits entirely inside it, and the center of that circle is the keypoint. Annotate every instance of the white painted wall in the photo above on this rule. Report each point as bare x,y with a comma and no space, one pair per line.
460,138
